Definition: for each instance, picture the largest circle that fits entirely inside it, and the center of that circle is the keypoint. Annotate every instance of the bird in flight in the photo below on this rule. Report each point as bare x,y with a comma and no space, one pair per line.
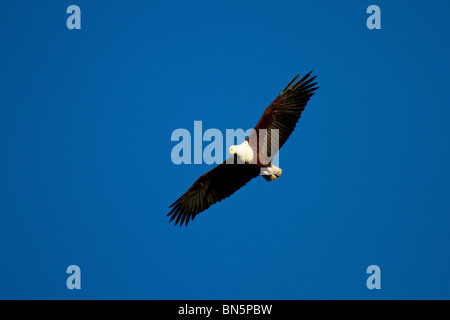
249,159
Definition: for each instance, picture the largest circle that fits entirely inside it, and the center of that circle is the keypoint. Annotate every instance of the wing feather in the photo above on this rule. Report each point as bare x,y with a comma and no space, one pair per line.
284,112
212,187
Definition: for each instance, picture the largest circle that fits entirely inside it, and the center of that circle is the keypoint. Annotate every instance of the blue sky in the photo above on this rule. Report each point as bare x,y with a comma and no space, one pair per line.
86,176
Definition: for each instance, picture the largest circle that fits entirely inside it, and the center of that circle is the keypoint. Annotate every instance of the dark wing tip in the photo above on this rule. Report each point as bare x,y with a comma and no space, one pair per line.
301,83
178,214
186,208
290,83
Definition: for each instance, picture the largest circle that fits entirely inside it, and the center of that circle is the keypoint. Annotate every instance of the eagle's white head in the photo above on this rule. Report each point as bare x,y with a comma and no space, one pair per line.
243,151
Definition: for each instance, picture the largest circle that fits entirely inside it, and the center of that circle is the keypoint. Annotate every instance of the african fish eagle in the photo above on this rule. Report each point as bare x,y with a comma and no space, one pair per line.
225,179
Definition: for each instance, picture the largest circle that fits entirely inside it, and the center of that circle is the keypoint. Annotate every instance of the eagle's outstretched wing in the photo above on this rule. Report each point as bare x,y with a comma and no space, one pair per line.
284,112
214,186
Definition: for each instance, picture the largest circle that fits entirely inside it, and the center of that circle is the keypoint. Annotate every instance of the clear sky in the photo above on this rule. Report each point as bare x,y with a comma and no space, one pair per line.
86,175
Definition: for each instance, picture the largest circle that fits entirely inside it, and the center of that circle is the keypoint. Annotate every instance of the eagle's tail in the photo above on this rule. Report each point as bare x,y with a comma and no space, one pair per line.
271,173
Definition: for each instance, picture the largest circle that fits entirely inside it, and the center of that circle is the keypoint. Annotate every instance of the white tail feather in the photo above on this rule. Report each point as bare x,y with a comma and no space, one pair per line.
271,173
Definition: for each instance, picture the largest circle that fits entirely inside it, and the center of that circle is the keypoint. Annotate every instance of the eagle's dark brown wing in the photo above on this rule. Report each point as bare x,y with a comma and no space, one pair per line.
214,186
284,112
